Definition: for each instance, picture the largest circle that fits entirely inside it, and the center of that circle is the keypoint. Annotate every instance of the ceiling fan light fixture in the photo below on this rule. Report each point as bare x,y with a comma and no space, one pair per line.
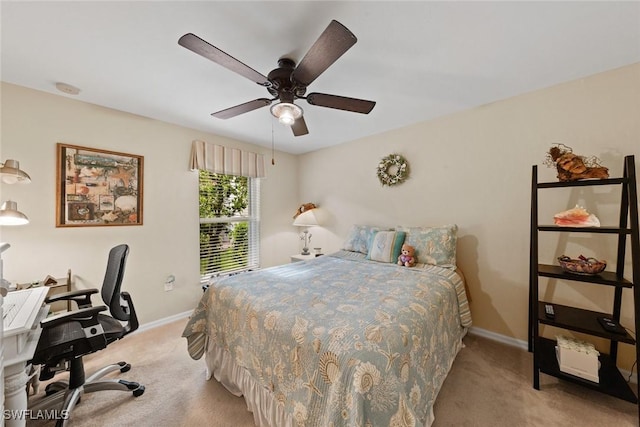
286,112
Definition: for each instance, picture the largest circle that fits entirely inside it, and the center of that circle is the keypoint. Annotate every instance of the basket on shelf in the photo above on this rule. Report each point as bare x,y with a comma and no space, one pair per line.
582,265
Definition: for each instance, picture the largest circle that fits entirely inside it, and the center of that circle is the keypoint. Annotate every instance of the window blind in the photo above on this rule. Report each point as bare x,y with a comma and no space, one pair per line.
229,224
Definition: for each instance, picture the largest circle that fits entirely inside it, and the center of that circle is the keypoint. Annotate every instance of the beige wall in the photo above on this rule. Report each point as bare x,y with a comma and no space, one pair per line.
474,169
33,122
471,168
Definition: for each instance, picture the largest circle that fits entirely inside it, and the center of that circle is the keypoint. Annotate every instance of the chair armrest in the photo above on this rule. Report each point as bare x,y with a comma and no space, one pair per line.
132,324
86,316
82,297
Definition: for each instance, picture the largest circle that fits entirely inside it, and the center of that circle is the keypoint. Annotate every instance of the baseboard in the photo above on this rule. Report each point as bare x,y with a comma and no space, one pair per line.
514,342
164,321
524,345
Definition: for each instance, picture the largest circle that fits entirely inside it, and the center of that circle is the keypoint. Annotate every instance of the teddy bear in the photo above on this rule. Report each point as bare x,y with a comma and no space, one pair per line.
303,208
407,256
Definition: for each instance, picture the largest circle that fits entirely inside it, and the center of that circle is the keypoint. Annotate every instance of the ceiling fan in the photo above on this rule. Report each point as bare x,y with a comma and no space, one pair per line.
288,82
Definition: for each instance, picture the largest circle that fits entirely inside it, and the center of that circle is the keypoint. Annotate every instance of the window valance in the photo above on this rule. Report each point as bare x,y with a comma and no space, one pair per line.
225,160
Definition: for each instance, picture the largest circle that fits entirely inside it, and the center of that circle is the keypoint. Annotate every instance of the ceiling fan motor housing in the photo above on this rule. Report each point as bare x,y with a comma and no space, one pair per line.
282,85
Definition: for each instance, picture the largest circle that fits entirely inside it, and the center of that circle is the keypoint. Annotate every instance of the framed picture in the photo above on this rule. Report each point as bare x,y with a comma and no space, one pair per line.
97,187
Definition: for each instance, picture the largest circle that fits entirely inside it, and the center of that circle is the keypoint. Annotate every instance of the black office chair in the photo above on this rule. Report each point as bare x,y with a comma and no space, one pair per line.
67,337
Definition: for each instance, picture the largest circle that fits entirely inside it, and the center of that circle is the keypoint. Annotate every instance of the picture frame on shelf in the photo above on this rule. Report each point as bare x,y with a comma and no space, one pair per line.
96,187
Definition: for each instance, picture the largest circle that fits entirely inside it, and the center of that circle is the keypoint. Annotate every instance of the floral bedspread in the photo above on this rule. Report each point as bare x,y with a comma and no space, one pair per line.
339,340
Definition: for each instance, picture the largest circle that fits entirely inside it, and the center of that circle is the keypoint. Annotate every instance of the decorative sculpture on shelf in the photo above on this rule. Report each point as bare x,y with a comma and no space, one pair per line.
572,167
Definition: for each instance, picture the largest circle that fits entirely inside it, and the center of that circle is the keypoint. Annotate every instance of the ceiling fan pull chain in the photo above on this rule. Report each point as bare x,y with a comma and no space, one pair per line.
273,162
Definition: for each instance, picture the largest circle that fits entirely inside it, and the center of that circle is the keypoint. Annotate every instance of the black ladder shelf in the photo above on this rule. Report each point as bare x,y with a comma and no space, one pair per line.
611,379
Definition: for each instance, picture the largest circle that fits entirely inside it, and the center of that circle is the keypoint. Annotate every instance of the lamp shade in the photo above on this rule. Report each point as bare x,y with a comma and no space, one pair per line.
12,174
308,218
10,215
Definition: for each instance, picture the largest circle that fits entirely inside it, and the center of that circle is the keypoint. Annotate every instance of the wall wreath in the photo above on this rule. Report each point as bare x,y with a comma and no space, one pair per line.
392,169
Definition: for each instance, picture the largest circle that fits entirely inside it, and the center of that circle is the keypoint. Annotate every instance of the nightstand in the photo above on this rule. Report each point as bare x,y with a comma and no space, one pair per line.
300,257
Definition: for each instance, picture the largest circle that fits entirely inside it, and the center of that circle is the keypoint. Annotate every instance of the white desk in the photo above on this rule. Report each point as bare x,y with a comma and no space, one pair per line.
20,339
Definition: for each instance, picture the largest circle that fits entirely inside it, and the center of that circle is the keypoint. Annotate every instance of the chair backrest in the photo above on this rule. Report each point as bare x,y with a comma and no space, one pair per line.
113,280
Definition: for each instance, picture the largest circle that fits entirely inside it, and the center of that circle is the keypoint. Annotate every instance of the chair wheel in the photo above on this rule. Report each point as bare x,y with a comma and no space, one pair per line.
125,368
139,391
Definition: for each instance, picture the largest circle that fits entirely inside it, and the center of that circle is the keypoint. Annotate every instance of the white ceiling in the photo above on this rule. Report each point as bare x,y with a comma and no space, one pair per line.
418,60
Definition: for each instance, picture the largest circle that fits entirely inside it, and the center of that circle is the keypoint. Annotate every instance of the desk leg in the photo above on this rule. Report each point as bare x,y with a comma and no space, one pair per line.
15,395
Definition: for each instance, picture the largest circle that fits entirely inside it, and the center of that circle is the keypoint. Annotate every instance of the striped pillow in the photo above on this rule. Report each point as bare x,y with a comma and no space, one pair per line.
385,246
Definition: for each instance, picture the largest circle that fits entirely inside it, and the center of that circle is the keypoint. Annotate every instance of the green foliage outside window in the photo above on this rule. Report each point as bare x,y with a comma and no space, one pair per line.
224,244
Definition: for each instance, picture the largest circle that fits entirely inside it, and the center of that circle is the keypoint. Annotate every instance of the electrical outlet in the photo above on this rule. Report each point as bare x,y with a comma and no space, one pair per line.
168,283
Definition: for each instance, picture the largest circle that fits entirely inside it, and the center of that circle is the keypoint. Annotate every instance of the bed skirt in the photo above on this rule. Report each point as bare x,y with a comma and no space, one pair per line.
260,401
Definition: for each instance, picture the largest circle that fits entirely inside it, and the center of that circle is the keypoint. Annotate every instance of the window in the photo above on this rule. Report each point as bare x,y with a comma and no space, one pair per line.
229,224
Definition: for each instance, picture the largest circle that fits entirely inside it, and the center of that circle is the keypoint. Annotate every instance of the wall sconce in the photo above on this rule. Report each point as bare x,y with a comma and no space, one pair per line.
12,174
307,219
10,215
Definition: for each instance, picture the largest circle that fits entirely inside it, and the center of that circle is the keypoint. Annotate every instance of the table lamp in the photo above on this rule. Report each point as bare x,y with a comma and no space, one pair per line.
306,219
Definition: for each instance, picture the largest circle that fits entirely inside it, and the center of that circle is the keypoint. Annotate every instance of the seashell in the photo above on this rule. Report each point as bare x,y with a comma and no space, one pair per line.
316,345
329,367
271,319
576,217
278,370
404,417
252,321
299,413
126,203
415,395
299,330
373,333
365,377
383,317
418,309
404,368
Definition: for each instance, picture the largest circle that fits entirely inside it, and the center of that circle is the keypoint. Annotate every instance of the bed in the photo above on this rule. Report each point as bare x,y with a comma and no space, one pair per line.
339,340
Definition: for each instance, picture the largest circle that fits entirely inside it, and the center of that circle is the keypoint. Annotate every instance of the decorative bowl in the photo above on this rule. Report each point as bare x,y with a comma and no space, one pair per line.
582,265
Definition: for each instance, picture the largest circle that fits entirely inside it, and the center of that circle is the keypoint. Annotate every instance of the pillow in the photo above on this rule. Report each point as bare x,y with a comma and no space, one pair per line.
433,245
359,237
385,246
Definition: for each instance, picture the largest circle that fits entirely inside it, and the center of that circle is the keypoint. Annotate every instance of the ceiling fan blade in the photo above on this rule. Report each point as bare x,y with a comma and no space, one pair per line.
242,108
341,102
299,127
331,45
203,48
